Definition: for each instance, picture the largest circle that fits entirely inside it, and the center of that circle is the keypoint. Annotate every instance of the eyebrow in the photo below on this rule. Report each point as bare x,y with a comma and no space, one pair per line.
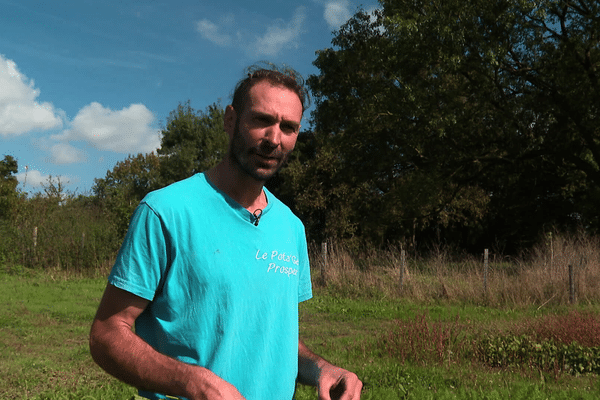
295,125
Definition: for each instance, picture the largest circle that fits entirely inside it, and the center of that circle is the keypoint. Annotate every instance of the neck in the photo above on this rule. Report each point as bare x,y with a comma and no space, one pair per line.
242,188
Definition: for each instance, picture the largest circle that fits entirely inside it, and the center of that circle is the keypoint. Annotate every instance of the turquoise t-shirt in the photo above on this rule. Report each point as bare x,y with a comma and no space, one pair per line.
223,291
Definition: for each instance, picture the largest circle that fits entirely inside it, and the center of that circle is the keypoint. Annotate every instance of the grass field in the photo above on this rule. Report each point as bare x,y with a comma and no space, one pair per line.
45,318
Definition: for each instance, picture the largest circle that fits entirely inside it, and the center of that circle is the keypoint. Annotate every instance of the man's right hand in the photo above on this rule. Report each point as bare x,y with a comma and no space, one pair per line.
123,354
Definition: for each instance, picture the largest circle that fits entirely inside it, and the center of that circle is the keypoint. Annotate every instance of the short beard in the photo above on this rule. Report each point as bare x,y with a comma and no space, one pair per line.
240,154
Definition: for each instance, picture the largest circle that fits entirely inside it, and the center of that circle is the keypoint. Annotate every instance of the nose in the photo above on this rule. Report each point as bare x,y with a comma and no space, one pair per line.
273,135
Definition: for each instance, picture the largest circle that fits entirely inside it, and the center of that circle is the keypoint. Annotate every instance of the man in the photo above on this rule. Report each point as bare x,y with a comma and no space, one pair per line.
212,269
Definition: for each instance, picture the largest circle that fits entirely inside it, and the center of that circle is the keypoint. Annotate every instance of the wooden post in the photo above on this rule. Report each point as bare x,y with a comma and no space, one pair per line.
34,237
82,240
486,266
402,268
324,263
571,285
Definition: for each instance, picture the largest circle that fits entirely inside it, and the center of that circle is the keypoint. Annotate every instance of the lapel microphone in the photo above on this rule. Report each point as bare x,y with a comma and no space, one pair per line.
257,214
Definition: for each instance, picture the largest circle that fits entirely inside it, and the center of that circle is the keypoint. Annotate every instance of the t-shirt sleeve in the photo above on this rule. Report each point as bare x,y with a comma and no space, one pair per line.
142,259
304,283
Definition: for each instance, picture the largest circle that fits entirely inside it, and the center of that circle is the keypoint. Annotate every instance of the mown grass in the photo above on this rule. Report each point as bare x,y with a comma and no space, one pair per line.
44,325
353,332
45,318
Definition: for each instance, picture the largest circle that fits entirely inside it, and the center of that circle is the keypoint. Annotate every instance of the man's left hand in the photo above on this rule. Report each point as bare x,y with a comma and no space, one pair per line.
338,384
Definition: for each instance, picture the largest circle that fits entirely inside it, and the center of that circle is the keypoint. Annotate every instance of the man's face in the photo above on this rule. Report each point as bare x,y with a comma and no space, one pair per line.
263,135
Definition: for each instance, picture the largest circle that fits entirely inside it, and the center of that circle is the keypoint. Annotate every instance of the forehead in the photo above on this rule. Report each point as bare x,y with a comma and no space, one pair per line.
275,100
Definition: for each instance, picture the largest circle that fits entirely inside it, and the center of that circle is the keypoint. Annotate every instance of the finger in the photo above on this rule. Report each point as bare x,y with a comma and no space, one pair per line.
352,390
358,390
324,393
337,391
327,389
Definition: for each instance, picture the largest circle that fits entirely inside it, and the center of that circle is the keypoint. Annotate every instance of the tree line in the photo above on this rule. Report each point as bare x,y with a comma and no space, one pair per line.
470,124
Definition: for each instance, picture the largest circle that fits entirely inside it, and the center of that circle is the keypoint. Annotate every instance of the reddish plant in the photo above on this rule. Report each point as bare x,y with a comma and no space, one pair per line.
423,340
577,326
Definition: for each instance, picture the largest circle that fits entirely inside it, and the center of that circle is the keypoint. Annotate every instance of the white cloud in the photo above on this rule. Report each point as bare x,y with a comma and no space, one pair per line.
277,36
124,131
336,13
214,33
280,35
33,178
37,181
19,110
64,153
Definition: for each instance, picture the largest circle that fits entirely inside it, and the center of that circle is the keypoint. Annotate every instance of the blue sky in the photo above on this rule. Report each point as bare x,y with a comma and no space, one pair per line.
83,84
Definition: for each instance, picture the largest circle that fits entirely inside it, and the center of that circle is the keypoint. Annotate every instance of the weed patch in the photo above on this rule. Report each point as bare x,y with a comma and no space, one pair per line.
575,327
423,341
546,356
554,344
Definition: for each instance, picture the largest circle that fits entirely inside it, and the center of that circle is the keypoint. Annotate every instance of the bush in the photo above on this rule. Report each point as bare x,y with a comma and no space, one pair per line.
70,234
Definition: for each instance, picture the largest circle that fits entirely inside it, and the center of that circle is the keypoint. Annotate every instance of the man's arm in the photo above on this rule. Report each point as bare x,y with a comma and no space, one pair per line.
123,354
332,382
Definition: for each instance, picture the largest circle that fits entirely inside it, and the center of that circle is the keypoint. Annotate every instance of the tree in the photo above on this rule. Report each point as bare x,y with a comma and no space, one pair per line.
382,140
192,141
125,186
453,116
8,186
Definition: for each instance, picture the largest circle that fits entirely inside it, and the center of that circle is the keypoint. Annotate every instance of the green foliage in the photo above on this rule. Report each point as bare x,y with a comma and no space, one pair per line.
121,190
470,120
8,186
58,231
547,356
8,167
192,141
323,205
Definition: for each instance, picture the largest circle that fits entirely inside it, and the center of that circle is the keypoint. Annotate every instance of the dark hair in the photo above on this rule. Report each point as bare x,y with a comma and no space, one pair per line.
276,76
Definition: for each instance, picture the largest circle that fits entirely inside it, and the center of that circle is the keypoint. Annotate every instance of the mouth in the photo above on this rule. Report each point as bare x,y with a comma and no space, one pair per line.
267,158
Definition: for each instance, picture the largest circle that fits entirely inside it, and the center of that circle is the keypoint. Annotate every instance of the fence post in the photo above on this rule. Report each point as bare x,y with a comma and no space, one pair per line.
402,268
324,263
571,285
34,237
486,266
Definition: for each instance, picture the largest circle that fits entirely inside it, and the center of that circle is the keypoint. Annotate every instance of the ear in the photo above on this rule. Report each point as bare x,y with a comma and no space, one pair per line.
229,120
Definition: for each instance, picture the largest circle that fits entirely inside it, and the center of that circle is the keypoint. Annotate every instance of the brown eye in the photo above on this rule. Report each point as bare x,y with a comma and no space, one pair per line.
263,120
289,129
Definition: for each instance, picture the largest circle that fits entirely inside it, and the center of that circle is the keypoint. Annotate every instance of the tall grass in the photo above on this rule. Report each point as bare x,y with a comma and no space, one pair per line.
74,233
538,278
